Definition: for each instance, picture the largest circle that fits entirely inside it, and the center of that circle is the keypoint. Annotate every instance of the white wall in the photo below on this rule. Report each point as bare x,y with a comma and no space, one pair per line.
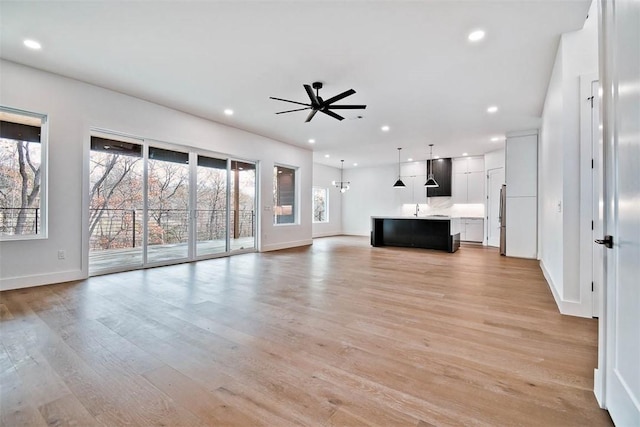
371,193
494,159
560,166
550,179
74,108
322,177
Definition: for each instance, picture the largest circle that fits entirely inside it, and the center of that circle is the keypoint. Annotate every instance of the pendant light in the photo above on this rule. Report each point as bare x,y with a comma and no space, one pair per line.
431,182
342,185
399,183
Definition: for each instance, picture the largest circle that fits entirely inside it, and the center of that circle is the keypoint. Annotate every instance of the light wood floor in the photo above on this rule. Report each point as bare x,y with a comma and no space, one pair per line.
339,333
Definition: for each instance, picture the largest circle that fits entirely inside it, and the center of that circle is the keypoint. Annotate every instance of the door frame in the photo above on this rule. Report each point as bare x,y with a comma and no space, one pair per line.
192,152
488,192
590,174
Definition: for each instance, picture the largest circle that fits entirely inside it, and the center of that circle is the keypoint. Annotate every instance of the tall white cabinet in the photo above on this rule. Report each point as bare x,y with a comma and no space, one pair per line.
521,170
468,180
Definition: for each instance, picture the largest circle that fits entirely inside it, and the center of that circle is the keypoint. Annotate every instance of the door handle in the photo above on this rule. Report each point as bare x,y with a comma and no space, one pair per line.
607,241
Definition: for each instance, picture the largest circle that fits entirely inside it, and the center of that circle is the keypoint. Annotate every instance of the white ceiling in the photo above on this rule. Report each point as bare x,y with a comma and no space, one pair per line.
409,61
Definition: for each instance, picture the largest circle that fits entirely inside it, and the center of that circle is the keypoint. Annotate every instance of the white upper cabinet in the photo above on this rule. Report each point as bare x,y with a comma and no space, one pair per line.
475,187
475,164
468,180
414,176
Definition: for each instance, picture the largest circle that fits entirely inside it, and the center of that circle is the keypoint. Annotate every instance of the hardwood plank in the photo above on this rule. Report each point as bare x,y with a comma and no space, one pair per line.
208,407
67,411
338,333
15,406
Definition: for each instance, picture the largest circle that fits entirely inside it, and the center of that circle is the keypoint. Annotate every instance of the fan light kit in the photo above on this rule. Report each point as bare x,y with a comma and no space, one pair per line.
319,104
342,184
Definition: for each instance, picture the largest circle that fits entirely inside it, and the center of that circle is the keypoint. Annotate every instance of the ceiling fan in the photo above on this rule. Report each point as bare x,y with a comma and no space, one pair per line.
319,104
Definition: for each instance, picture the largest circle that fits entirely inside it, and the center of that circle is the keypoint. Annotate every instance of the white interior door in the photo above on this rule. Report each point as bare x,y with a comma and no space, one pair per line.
495,179
621,119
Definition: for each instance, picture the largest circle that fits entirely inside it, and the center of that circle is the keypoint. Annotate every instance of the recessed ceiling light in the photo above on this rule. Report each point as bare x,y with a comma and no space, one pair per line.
355,164
228,112
436,157
312,141
409,159
495,139
32,44
327,156
477,35
464,154
385,128
492,109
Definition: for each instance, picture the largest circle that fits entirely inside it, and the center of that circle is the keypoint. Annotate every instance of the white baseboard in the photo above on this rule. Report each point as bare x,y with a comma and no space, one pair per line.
286,245
327,234
569,308
10,283
598,387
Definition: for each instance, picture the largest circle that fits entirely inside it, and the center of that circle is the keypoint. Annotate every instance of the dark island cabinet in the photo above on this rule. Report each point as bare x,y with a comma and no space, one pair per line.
427,233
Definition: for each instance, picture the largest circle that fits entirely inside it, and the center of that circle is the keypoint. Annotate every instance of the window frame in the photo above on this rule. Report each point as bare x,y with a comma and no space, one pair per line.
326,205
44,176
295,207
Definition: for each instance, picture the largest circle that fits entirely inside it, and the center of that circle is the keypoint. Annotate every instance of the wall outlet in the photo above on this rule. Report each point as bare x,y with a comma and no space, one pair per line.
62,254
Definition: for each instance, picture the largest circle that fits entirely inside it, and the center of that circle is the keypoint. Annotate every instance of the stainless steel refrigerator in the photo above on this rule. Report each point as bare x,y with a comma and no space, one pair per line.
503,219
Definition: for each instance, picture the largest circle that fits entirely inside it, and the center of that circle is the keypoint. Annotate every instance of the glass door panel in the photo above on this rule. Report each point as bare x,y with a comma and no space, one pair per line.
168,205
242,194
211,206
115,205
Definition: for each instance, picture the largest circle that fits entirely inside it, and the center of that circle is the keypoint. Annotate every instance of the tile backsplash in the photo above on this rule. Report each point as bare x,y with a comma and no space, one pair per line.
444,206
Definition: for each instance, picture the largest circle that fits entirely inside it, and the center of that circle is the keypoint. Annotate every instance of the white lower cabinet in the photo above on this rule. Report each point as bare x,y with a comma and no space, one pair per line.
472,230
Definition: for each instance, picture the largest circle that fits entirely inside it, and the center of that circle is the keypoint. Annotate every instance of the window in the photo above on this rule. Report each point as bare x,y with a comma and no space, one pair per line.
22,174
320,204
284,195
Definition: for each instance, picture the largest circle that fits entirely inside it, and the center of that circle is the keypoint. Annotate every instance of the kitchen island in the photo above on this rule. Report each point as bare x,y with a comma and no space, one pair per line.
427,232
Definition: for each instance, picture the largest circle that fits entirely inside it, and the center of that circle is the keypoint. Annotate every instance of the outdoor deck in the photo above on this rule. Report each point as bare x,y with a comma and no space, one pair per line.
109,259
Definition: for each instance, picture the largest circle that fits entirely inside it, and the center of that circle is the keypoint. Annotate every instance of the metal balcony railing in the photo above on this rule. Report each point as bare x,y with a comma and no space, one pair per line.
122,228
9,220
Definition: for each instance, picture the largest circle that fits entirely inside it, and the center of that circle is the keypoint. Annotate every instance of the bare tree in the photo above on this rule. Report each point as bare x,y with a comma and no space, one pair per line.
28,196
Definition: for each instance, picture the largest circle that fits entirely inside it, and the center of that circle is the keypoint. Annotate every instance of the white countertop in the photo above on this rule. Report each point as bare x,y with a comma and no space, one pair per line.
430,217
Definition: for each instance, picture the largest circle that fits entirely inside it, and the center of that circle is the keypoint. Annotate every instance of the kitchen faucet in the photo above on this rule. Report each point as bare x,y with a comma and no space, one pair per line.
417,210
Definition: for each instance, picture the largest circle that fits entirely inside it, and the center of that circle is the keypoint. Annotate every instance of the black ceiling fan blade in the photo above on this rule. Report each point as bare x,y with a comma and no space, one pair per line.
310,116
286,100
332,114
347,107
312,96
291,111
339,96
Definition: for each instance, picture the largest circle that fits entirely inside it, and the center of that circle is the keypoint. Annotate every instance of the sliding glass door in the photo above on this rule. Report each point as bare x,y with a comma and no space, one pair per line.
154,205
115,204
211,206
243,205
167,205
